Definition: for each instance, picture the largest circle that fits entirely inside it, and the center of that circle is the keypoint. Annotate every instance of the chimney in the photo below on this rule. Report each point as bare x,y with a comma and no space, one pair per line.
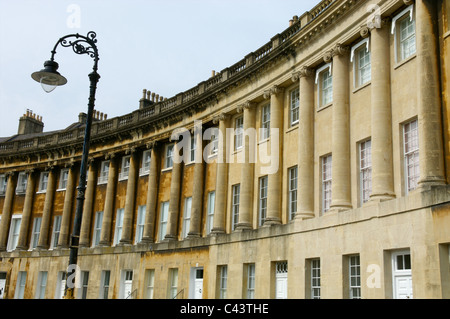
30,123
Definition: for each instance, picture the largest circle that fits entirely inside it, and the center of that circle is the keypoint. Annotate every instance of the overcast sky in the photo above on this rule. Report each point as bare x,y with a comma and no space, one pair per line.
165,46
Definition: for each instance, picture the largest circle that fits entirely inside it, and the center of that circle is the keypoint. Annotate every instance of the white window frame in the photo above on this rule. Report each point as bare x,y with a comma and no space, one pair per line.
140,223
235,201
214,144
315,278
294,106
118,227
173,283
223,279
192,148
3,183
319,81
98,221
354,276
41,285
262,199
210,211
146,161
125,168
411,156
55,231
82,291
251,281
43,182
238,133
292,191
163,219
36,231
365,170
407,13
168,155
104,172
13,238
187,216
326,180
105,284
265,122
149,283
60,285
63,178
20,285
362,46
22,181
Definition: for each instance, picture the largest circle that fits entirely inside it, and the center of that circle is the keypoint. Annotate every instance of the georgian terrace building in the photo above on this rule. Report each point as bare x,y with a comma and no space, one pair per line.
315,167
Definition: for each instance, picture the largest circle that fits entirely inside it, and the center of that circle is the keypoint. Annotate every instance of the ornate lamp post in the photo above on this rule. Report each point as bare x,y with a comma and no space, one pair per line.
50,79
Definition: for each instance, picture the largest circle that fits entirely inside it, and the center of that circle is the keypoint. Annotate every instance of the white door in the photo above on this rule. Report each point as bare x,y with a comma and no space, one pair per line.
281,277
196,290
127,284
2,284
403,287
401,275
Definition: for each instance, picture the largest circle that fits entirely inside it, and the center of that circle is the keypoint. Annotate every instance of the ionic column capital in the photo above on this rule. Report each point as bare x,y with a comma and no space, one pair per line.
273,91
220,117
304,72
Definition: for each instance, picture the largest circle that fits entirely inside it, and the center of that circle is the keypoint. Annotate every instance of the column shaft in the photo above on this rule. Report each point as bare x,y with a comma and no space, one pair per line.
108,211
174,201
22,244
381,118
86,221
197,192
63,239
7,210
130,200
43,242
152,198
305,184
340,132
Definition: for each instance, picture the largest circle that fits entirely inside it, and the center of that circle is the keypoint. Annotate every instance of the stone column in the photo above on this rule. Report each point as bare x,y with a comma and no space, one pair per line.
197,193
130,198
340,131
43,242
108,210
381,119
220,207
305,186
174,201
276,136
247,167
22,243
7,209
431,157
63,239
152,197
86,221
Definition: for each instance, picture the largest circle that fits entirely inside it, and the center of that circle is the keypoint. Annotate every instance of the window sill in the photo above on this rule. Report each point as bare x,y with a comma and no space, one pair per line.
292,128
361,87
447,34
60,189
266,140
41,192
399,64
320,108
168,169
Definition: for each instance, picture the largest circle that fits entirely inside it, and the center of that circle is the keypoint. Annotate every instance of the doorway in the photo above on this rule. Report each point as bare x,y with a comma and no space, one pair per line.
401,275
196,283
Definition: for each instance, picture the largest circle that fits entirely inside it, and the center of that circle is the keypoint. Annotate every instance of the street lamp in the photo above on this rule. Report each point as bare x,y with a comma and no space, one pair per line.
50,78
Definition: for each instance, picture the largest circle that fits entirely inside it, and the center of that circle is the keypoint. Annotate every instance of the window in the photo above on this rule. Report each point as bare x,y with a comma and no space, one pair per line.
84,285
163,220
235,205
360,55
119,226
214,145
55,232
294,106
263,181
223,274
447,14
365,170
404,27
326,183
97,228
20,286
140,223
60,285
169,156
173,283
239,133
146,159
315,278
125,168
324,80
43,182
292,209
104,285
22,180
14,232
41,285
149,283
64,176
104,171
187,216
210,212
265,122
3,182
354,274
36,231
251,281
192,147
411,153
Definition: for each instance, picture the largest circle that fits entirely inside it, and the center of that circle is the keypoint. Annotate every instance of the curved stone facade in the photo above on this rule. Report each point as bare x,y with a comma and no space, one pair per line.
315,167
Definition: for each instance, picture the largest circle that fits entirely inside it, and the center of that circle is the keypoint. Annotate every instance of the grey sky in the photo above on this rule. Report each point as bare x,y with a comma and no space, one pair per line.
165,46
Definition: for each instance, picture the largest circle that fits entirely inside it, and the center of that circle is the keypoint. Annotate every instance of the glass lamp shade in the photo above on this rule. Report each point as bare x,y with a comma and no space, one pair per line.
48,77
